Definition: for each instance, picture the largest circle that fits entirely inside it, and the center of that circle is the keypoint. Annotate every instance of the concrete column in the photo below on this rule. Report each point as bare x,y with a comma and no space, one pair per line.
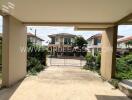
108,54
14,56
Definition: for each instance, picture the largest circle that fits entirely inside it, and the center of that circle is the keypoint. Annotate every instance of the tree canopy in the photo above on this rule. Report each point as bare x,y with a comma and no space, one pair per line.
129,43
80,42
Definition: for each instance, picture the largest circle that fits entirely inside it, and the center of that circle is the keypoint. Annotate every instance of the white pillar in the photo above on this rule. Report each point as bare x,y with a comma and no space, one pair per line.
14,57
108,54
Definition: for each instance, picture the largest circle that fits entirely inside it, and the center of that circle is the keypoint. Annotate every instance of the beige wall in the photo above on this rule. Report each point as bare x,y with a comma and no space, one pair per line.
108,55
14,60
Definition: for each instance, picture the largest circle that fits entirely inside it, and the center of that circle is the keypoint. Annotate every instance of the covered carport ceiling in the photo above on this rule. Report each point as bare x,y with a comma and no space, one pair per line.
68,11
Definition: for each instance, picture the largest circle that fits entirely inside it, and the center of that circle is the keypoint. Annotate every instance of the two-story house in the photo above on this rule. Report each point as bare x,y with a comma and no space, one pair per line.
122,43
94,43
34,39
61,43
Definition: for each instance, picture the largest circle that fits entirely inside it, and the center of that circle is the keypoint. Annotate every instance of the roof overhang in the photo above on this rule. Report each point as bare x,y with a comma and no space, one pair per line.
62,35
77,25
83,14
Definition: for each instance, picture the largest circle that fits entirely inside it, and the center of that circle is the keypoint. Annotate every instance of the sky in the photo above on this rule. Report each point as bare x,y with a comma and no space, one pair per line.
44,31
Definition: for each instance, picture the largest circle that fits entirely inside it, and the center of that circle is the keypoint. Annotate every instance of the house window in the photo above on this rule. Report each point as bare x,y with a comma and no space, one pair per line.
67,40
53,40
56,39
97,41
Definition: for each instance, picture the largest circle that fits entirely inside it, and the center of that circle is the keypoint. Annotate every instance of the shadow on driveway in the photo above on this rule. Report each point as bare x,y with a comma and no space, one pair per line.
7,93
105,97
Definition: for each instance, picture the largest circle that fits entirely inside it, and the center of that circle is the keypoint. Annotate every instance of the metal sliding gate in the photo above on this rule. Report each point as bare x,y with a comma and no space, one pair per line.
65,60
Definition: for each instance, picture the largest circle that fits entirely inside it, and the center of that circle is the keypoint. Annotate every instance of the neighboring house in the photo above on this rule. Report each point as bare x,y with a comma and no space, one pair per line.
34,39
61,42
122,43
94,43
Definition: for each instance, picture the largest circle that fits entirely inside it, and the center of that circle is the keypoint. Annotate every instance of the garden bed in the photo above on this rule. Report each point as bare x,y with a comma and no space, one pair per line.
123,67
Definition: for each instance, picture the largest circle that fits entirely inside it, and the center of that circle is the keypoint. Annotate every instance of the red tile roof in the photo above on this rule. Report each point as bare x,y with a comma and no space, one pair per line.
32,35
125,39
62,34
100,36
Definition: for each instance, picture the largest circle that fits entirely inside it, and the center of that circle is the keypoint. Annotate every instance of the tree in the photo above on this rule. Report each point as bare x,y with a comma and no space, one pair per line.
29,43
129,43
80,42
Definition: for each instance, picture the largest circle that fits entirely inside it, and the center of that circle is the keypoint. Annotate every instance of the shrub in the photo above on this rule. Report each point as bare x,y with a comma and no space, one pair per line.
93,62
36,58
98,60
84,53
90,61
114,82
128,59
34,66
124,67
39,52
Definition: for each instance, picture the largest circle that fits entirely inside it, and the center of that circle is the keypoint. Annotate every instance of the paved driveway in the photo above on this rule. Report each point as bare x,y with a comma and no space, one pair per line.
62,83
